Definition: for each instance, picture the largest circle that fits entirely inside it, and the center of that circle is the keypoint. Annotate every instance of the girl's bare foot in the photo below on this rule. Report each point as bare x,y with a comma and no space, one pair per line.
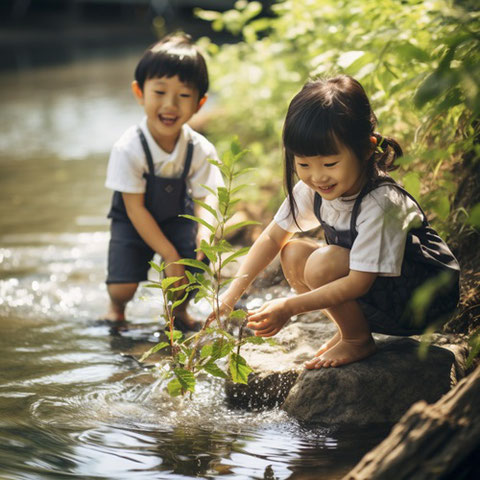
328,345
344,352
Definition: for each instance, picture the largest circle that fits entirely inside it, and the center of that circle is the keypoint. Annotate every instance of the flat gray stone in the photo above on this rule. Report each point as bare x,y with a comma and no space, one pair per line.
378,389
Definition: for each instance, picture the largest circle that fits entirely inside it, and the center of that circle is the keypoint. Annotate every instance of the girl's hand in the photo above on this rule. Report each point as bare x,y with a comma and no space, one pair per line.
270,318
224,311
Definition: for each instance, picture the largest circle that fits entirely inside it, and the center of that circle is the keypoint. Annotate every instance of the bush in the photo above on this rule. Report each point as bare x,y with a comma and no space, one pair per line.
418,60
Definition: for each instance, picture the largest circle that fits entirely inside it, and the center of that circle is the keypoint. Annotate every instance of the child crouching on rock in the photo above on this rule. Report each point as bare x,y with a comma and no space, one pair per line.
380,248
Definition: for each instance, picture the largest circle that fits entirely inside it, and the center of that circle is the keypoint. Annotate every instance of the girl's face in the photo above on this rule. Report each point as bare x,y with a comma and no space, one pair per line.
333,176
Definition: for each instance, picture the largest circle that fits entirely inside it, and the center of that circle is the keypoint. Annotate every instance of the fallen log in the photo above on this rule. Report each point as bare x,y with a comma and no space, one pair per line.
430,442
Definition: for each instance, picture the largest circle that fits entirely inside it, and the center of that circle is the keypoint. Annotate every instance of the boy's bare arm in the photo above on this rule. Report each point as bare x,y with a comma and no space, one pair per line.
148,228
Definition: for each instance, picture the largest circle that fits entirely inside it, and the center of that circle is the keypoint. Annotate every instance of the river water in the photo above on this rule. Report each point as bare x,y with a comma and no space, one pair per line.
72,405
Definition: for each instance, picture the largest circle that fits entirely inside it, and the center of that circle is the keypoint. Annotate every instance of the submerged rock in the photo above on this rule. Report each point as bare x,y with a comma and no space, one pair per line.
378,389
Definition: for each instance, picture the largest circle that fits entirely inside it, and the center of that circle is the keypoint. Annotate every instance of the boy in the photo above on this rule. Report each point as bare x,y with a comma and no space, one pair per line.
153,169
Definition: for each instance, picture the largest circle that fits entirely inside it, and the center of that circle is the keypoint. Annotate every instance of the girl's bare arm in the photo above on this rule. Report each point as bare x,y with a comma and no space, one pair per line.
262,252
272,316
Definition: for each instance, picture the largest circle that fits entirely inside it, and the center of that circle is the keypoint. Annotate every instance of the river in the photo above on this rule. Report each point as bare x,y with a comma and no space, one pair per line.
72,405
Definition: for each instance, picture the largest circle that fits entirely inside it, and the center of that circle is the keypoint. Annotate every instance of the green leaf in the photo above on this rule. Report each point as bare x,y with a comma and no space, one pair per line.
206,351
178,302
177,335
153,350
206,187
221,348
179,288
231,228
207,207
238,314
191,262
167,282
174,387
159,268
238,253
153,285
199,220
213,369
186,378
239,369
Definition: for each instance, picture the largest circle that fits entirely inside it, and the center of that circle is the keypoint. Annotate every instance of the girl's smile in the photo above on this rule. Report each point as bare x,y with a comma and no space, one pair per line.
331,176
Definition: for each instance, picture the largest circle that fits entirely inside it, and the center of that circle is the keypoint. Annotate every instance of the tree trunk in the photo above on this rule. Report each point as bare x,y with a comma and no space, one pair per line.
438,441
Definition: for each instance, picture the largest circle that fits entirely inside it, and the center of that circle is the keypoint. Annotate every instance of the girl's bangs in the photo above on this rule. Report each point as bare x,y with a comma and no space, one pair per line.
309,138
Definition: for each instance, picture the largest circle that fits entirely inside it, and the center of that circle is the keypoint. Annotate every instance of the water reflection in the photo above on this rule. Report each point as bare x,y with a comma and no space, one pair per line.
68,111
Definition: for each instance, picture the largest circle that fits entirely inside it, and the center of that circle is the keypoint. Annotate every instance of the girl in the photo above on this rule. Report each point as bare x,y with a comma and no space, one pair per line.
380,248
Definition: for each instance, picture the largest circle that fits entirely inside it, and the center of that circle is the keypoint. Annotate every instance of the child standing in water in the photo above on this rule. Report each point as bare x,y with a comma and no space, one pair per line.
155,169
380,245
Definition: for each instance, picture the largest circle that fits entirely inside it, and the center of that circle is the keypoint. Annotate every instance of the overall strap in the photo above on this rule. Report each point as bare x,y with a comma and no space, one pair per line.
146,149
188,160
367,189
317,203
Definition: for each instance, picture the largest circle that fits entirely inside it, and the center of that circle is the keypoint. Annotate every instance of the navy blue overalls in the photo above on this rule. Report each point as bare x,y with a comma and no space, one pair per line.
165,199
387,305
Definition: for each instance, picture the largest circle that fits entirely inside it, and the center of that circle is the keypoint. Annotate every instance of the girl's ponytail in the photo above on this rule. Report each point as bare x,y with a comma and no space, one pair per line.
386,152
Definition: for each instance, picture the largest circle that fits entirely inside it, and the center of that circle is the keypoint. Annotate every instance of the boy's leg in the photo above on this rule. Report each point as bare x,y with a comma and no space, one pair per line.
182,233
128,258
120,294
307,267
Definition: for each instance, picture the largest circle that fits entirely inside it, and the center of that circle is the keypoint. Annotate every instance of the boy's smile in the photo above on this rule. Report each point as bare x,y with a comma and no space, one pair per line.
331,176
169,104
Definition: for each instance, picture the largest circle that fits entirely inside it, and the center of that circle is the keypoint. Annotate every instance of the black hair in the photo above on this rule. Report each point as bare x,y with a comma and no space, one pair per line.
327,113
175,54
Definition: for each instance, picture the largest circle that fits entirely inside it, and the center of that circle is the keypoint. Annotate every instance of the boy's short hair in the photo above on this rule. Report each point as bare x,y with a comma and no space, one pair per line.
175,54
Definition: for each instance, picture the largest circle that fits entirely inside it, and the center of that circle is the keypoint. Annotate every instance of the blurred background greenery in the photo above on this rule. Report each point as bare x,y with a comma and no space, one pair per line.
418,60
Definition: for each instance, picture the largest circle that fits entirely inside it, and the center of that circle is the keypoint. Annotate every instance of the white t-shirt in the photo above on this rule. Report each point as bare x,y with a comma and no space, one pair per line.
385,217
127,162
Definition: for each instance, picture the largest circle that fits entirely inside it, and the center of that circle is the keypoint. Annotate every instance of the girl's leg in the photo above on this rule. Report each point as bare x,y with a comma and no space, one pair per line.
120,294
294,257
353,341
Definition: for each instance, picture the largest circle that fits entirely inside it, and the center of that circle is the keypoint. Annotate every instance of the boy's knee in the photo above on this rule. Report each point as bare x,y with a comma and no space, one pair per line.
325,265
122,292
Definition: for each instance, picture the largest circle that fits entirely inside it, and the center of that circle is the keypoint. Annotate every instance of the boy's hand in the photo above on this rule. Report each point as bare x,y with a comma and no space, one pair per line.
175,270
270,318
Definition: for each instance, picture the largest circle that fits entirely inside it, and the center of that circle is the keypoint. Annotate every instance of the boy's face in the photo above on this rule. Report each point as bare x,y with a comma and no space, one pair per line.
168,104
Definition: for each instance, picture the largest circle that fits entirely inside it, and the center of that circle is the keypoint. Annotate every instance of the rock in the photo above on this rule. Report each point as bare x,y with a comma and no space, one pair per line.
431,441
380,388
276,367
266,390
